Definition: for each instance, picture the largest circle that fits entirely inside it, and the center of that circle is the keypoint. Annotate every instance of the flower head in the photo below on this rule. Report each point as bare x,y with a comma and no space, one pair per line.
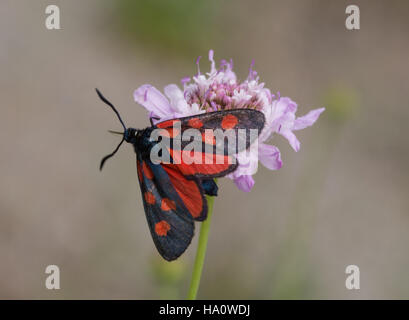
219,89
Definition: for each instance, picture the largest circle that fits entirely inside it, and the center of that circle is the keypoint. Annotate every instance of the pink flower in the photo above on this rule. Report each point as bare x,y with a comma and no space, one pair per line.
219,90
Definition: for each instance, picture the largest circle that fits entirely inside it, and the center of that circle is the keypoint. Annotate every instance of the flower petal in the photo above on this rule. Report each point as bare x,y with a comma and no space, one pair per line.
177,99
292,139
281,107
248,161
244,183
213,64
270,156
308,119
153,101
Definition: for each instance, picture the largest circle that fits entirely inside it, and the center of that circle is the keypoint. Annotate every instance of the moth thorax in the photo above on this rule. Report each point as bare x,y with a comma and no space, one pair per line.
130,135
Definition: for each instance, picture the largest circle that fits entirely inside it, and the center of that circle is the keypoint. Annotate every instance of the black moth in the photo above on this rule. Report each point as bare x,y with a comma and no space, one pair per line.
173,192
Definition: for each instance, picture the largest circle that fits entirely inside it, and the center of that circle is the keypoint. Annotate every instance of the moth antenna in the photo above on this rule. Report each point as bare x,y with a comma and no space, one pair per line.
110,155
122,133
115,132
112,107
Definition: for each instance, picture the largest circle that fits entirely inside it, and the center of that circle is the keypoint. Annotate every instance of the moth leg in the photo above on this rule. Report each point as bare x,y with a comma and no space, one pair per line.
210,187
153,118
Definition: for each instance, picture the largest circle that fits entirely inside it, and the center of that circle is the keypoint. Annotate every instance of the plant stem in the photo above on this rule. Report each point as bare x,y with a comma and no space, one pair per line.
201,251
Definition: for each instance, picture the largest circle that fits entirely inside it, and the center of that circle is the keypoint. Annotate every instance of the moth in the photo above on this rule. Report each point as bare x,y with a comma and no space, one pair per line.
173,192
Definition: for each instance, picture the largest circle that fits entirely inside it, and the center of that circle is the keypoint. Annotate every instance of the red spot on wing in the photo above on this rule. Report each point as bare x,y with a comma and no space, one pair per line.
149,197
138,167
192,163
173,132
187,190
162,228
168,204
167,123
147,171
208,137
229,122
170,132
195,123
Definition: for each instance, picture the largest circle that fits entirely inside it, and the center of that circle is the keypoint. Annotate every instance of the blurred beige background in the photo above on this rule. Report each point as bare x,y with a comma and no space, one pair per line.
341,200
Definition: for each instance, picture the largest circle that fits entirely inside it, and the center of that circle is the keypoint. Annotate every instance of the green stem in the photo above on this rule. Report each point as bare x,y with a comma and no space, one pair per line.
201,251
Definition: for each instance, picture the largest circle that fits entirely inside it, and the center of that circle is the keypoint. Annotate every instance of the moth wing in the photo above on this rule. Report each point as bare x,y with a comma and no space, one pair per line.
189,190
240,125
170,223
218,137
